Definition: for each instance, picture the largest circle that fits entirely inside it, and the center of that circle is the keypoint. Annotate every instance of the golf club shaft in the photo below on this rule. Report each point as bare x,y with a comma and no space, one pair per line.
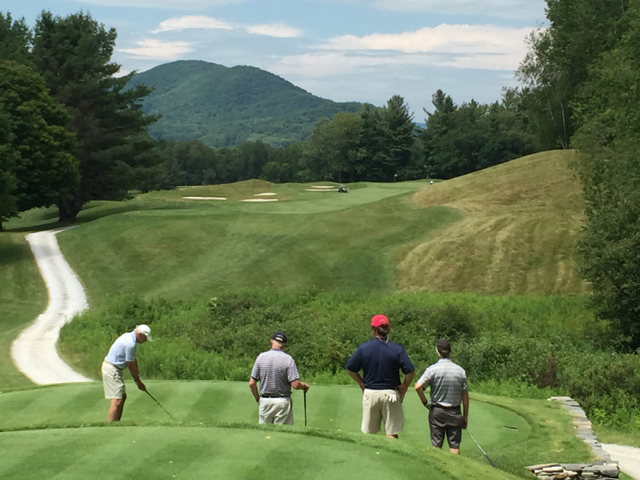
305,408
153,398
483,452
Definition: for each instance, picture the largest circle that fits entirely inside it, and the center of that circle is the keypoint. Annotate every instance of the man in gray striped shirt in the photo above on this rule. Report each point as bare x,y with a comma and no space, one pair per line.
277,373
449,389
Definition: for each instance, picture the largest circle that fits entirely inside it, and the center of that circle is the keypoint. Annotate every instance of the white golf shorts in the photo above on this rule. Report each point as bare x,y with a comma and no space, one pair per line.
276,410
382,406
112,380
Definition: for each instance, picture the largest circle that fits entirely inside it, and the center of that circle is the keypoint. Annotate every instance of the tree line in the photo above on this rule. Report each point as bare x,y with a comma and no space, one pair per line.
70,132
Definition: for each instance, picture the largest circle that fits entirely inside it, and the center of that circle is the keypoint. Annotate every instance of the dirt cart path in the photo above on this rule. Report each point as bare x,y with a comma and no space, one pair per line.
34,351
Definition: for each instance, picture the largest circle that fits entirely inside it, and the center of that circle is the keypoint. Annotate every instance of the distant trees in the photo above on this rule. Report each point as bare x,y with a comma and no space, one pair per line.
74,55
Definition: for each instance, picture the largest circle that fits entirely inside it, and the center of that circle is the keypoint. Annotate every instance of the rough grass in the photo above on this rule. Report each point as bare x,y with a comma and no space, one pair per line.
23,297
543,431
521,222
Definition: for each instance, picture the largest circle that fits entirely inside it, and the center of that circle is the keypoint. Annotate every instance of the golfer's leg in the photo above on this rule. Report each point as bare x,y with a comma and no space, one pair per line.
121,407
115,409
435,428
454,432
392,415
371,412
283,413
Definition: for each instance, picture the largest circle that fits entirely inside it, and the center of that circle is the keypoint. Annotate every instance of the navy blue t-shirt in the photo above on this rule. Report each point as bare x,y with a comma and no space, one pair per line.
380,363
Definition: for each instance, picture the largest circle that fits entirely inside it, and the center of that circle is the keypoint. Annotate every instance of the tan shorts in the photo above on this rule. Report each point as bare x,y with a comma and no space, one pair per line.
276,410
377,406
112,380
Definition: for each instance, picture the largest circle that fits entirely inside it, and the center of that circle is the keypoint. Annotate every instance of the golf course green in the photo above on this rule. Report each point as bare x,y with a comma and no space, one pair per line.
376,240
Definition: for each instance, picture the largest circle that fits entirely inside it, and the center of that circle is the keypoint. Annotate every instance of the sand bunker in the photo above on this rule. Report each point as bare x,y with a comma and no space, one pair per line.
321,189
322,186
268,194
205,198
259,200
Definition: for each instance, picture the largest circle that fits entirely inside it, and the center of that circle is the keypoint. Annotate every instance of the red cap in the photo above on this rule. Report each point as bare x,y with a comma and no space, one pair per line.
379,320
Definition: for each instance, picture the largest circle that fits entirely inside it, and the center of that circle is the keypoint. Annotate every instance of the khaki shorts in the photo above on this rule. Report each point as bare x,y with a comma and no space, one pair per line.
377,407
276,410
112,380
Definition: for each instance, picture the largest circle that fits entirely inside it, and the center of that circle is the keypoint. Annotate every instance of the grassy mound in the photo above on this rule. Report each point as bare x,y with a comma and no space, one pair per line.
521,222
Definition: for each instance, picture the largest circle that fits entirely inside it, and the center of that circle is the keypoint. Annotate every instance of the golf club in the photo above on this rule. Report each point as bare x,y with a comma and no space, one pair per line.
483,452
165,408
305,408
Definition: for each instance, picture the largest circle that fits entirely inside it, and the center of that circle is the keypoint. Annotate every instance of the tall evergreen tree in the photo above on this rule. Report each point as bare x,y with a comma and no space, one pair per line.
74,55
15,40
37,166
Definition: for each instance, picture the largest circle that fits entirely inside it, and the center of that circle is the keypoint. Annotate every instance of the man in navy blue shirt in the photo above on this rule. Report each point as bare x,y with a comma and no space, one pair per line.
382,393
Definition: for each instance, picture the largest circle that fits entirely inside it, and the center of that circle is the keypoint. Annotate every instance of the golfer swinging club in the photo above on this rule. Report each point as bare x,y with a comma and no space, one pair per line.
277,373
448,390
122,354
382,393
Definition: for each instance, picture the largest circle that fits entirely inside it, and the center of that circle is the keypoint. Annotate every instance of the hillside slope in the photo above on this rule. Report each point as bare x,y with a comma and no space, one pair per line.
223,106
521,223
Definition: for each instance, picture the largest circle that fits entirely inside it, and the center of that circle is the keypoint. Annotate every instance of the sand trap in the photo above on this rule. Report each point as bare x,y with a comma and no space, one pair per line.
322,186
268,194
259,200
205,198
321,190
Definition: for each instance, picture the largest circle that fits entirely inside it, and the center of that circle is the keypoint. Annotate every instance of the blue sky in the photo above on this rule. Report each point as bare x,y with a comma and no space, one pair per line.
344,50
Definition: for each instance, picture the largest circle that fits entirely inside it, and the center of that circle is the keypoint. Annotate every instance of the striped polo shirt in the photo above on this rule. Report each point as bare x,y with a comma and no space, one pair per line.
275,370
447,380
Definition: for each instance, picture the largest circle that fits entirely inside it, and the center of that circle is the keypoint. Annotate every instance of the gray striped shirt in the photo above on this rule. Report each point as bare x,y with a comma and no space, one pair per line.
448,381
275,370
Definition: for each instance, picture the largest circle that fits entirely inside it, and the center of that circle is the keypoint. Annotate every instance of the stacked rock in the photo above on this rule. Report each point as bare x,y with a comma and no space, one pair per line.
575,471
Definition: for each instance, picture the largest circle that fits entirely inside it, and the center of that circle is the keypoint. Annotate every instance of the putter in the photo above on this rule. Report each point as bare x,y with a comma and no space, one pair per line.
162,406
305,408
483,452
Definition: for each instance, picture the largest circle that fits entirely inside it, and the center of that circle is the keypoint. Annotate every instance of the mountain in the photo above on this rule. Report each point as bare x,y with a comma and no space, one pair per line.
223,106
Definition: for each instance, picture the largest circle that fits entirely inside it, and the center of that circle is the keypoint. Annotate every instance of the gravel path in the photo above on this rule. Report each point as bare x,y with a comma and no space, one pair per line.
627,457
34,351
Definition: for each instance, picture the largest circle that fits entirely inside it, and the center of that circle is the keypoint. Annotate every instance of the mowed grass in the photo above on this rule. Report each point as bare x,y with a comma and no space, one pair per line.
522,219
324,240
23,296
219,430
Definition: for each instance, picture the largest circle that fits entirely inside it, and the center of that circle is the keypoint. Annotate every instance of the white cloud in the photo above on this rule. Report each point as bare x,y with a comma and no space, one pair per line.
515,9
157,50
191,21
163,4
276,30
460,46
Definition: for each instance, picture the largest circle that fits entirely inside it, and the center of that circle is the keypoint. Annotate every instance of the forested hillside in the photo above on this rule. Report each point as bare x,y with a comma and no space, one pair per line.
223,106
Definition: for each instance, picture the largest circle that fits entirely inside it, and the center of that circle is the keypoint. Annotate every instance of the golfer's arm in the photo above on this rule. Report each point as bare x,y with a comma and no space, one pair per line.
133,369
253,385
408,378
356,376
465,404
420,392
298,385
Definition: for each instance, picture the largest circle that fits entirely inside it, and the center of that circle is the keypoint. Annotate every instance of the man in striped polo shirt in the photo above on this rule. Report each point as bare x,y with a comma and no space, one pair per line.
277,373
449,389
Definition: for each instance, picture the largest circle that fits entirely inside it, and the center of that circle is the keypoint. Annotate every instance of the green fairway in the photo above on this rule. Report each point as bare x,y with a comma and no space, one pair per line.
201,410
326,240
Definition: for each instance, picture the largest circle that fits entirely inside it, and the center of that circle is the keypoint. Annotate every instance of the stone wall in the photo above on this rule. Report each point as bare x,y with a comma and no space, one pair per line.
601,468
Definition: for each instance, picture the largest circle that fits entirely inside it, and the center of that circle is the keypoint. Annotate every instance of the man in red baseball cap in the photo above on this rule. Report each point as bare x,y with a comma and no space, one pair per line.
381,361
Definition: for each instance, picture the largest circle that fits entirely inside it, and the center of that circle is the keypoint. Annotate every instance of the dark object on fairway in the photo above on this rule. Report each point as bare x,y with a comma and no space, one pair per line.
483,452
305,408
342,189
510,428
159,404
